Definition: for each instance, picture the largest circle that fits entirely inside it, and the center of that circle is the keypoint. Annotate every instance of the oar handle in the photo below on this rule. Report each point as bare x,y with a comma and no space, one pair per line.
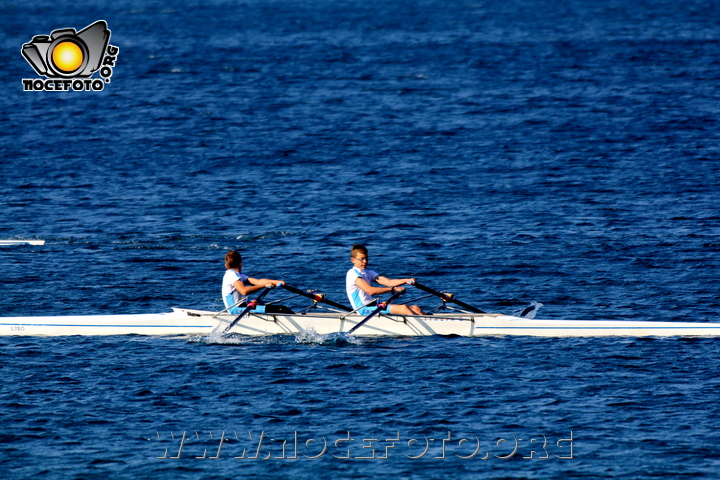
250,306
447,298
379,308
316,297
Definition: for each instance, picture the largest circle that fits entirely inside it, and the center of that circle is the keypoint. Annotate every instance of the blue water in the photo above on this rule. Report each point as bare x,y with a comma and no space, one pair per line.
511,152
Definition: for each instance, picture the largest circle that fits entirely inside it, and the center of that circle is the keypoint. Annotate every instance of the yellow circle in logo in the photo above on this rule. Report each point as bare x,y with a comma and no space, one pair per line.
67,56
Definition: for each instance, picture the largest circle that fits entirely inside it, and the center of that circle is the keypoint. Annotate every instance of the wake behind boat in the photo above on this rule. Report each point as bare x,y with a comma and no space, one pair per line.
340,320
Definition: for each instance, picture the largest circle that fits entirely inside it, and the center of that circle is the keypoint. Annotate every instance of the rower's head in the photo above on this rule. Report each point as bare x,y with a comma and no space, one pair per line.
233,259
359,256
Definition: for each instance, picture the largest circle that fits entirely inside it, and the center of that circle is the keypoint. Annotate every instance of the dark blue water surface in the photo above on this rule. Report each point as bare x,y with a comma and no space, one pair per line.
561,152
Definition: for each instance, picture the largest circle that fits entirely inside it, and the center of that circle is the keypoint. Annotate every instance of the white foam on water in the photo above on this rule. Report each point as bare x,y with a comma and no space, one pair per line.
311,337
217,337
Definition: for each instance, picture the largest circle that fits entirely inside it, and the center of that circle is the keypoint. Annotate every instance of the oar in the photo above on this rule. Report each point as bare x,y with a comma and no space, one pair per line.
317,297
379,308
447,297
250,306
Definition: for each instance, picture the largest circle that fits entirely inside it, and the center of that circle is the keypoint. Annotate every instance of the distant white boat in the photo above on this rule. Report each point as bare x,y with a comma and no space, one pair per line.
22,242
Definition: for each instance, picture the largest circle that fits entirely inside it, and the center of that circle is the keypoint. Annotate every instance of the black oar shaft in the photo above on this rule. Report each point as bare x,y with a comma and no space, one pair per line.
379,308
447,298
316,297
251,306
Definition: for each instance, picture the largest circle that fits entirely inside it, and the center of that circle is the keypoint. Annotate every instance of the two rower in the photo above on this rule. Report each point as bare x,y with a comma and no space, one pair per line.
358,282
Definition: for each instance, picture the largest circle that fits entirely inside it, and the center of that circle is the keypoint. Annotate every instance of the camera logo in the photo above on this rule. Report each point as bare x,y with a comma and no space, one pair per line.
68,59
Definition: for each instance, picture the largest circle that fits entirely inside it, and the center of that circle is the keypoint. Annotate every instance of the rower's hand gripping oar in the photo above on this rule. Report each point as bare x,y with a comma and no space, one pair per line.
447,298
380,308
317,297
250,306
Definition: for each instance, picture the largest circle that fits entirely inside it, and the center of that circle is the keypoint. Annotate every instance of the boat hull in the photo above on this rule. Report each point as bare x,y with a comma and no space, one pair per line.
196,322
179,322
466,325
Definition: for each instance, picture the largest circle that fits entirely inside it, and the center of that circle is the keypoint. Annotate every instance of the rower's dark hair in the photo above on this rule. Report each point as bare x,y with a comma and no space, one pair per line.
358,248
233,259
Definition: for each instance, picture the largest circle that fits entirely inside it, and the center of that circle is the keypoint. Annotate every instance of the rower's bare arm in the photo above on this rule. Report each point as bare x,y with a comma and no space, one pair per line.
394,282
369,289
266,282
246,289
